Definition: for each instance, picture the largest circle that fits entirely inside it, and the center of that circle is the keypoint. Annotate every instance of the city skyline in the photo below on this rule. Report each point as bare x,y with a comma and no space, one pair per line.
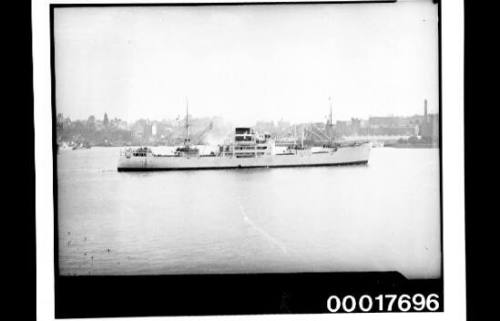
181,118
247,63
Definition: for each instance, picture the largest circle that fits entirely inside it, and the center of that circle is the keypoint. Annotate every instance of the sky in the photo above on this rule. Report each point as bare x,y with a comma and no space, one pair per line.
247,63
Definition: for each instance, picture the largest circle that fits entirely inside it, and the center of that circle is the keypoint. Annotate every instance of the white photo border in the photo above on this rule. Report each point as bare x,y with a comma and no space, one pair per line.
452,174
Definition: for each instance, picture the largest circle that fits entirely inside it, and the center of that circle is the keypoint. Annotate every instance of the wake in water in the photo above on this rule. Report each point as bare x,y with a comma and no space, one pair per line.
262,232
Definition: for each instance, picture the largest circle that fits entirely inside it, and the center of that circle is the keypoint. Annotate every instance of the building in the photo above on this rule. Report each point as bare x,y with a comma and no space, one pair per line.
429,126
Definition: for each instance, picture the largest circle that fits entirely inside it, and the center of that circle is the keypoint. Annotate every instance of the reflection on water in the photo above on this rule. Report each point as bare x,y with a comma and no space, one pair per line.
380,217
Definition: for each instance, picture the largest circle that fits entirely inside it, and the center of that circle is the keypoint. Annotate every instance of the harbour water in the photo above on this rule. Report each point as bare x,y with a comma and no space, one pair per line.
383,216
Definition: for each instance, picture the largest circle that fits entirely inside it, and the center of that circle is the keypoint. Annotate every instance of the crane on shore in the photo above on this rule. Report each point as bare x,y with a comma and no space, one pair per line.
198,138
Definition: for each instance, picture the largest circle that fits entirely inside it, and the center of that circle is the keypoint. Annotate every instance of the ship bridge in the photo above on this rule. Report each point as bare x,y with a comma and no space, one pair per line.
247,143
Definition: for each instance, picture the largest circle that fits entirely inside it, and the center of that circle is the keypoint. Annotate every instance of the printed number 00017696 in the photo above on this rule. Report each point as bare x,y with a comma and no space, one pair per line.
384,303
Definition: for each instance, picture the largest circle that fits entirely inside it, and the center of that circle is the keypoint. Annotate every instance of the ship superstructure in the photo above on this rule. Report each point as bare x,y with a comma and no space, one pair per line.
248,149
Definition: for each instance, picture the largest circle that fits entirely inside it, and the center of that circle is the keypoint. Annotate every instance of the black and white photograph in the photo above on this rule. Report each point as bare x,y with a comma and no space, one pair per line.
249,140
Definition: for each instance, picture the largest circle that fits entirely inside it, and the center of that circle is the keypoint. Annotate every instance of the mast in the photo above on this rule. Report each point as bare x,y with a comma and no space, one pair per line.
330,118
187,121
329,122
302,137
295,134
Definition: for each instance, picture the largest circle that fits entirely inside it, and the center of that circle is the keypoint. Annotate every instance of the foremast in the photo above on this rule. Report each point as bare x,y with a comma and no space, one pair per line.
186,125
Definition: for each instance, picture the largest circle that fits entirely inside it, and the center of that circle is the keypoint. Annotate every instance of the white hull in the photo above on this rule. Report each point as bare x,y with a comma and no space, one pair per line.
343,156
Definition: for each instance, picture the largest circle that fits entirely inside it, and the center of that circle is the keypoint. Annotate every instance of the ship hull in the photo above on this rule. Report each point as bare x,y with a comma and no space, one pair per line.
352,155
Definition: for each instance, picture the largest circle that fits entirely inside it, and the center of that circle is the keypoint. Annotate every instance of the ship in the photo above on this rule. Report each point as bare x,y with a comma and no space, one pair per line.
248,149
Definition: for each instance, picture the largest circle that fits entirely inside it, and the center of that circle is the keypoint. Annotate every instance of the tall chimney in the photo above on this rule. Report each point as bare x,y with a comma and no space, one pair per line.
425,111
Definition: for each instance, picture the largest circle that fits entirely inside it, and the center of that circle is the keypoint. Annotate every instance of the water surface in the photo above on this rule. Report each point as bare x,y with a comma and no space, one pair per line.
380,217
